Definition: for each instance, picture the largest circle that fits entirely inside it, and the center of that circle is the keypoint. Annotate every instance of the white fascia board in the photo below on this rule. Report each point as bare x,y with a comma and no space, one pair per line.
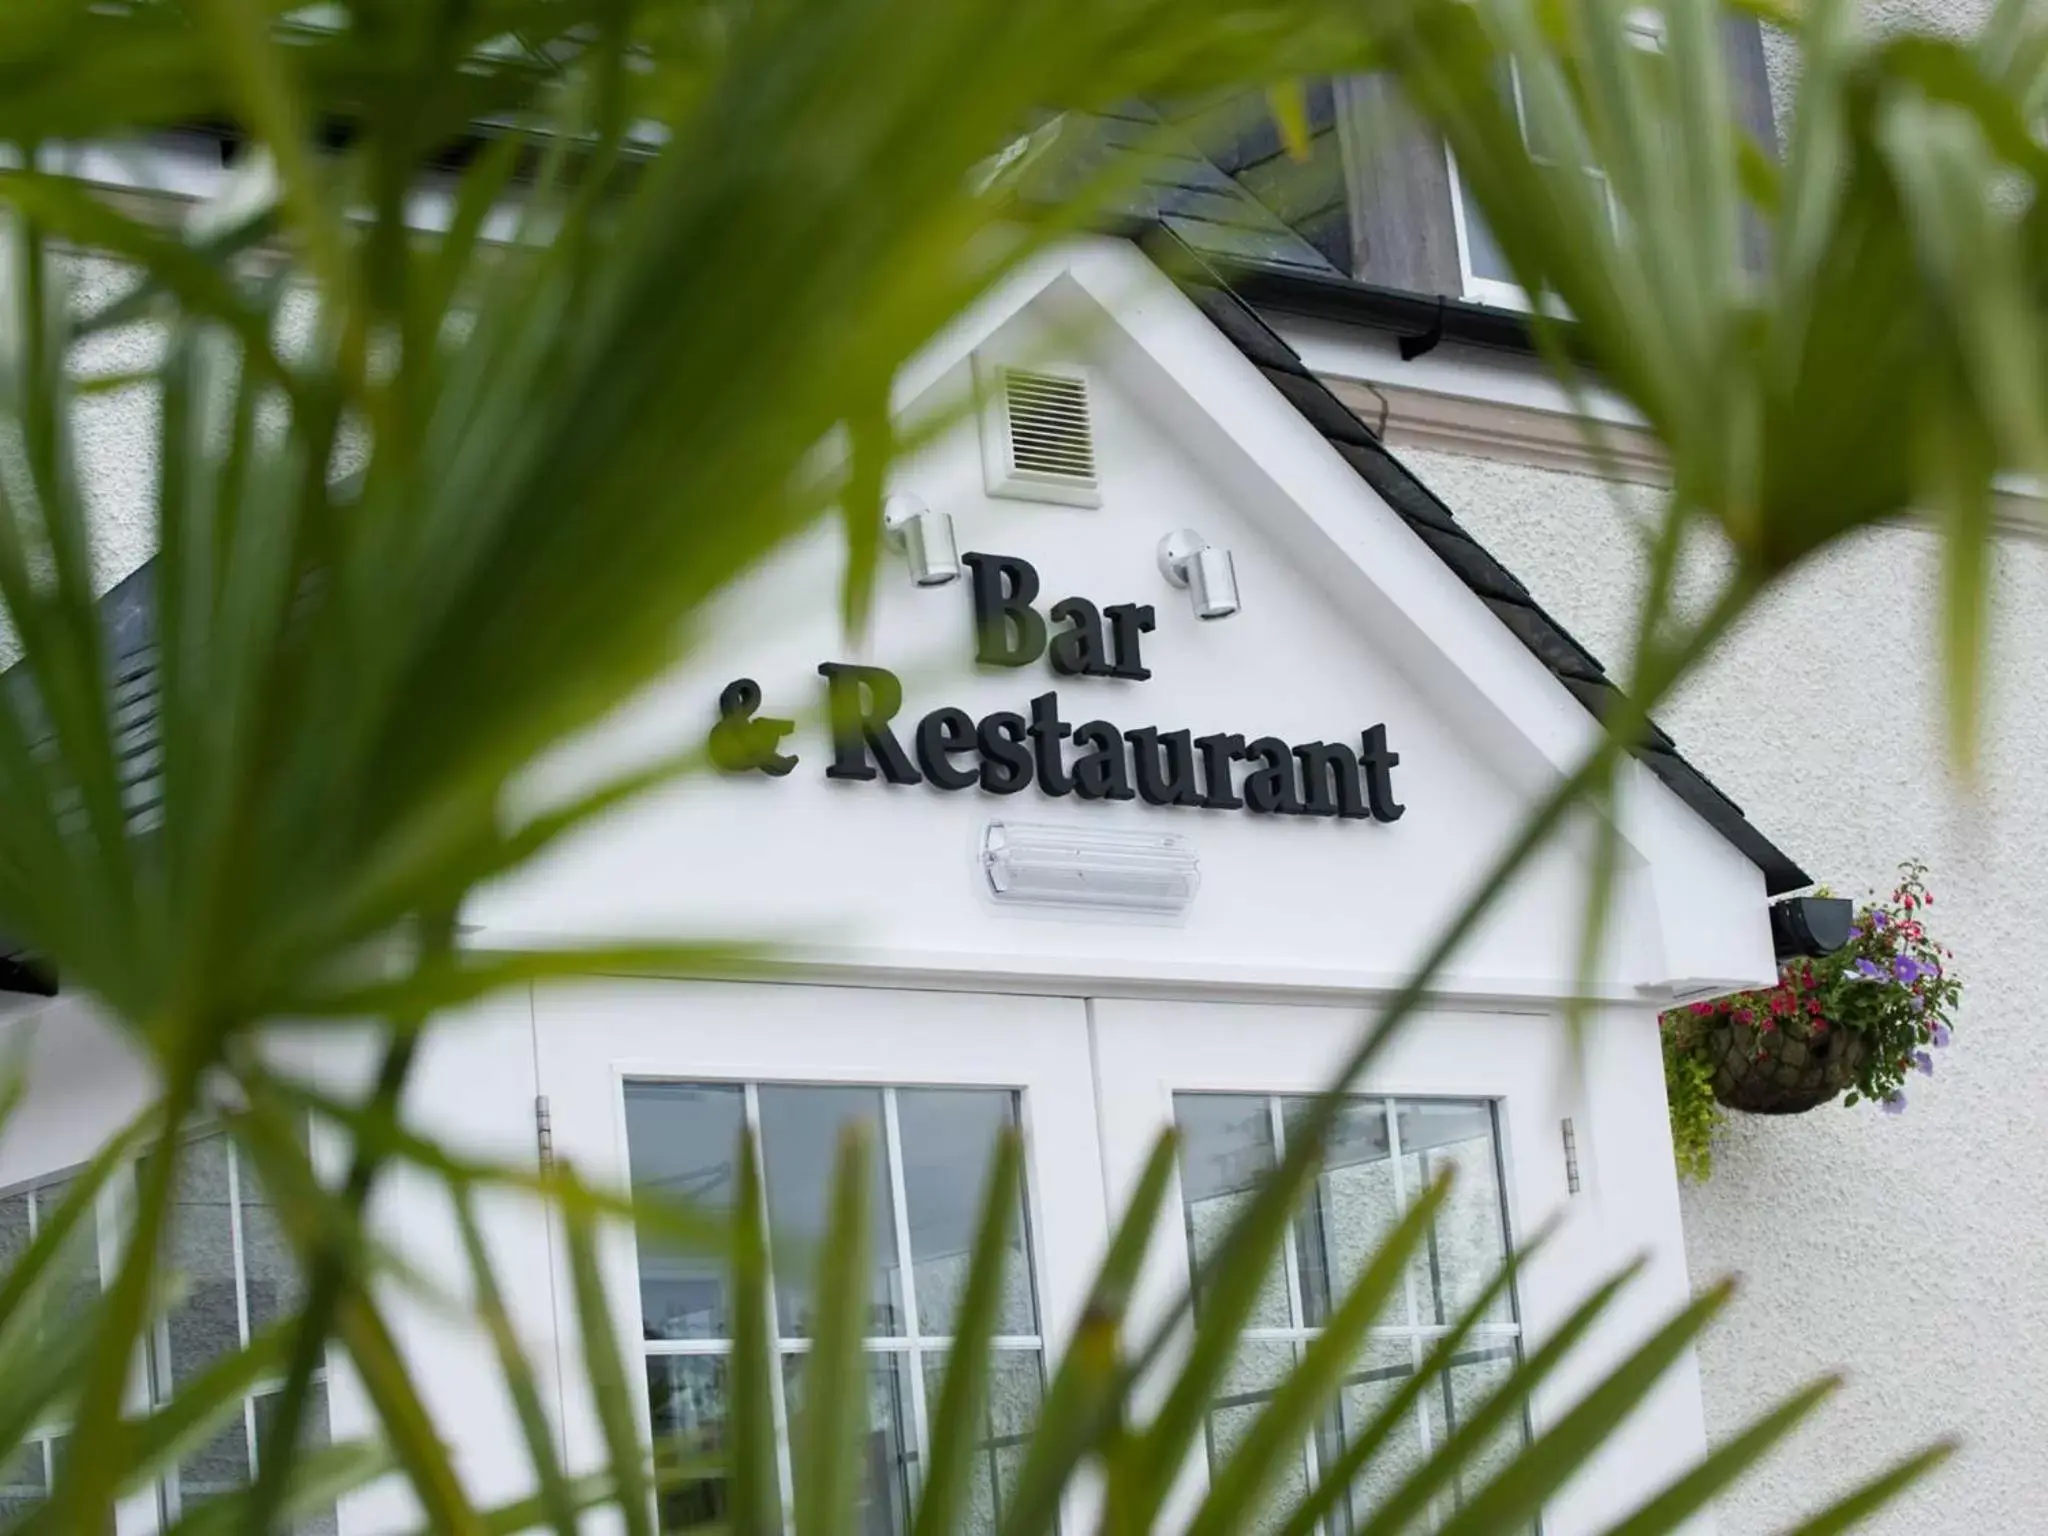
1690,870
158,169
1450,368
1709,900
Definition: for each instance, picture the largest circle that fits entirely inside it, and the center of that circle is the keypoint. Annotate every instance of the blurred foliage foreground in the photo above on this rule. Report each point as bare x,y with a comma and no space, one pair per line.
716,231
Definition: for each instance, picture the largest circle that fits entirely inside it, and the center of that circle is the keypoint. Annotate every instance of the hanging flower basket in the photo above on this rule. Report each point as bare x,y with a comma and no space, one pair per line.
1850,1025
1780,1066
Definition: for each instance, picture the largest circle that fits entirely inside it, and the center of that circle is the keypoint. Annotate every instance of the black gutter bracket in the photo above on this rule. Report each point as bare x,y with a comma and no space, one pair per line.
1412,347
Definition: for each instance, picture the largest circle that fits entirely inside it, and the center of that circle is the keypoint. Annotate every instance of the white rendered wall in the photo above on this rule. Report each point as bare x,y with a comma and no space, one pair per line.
1911,1250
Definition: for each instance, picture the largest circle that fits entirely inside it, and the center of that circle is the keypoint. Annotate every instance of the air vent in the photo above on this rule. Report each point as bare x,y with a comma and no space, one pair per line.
1037,442
138,740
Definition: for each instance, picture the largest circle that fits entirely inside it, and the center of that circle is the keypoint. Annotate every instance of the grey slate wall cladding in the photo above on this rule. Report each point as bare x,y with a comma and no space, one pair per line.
1182,190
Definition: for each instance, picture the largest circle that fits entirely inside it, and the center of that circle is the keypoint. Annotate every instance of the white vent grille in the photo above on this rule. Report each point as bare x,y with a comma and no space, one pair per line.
1049,424
1037,441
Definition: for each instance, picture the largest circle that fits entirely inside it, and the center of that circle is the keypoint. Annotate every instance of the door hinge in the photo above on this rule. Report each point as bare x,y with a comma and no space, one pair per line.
544,1133
1571,1157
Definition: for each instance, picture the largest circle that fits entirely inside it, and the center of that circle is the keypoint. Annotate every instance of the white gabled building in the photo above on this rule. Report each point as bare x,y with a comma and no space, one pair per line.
1023,896
1088,861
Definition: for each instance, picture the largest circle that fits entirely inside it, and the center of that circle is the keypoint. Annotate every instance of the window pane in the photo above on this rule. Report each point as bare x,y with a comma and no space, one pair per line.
1468,1244
1015,1386
800,1130
681,1140
1484,258
1385,1365
313,1432
23,1484
1349,1211
14,1229
207,1322
270,1271
217,1467
686,1402
1247,1387
949,1139
1226,1148
1476,1374
80,1259
889,1463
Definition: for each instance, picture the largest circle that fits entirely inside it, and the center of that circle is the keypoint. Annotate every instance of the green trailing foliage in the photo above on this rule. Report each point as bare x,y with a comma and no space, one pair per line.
484,494
1695,1114
1892,990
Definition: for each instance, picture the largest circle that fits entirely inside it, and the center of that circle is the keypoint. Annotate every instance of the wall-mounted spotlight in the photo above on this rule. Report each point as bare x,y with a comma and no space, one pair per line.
923,537
1186,559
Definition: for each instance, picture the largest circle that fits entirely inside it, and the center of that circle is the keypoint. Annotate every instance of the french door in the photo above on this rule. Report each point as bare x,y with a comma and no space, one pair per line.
649,1086
1478,1096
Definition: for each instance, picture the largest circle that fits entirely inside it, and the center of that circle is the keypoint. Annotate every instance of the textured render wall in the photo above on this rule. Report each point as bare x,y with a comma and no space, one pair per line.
1912,1251
117,435
1950,16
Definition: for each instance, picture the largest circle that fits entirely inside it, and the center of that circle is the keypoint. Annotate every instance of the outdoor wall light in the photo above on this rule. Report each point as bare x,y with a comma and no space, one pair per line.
1186,559
923,537
1155,872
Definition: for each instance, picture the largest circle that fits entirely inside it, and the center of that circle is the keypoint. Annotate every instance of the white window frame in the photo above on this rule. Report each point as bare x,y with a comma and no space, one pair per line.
912,1346
169,1490
36,1189
1097,1079
1147,1051
591,1044
1645,28
1298,1332
138,1513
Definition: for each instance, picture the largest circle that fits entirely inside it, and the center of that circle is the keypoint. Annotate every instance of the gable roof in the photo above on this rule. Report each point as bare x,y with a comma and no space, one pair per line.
1575,667
1199,221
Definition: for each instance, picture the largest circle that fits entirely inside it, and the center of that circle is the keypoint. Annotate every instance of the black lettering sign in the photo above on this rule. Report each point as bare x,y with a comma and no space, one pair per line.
1004,752
1165,766
1081,649
740,742
1379,763
940,734
861,702
1007,630
1127,621
1269,787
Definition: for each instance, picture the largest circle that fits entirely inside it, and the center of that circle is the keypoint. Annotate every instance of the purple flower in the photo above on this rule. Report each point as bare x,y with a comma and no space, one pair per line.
1924,1062
1895,1105
1877,918
1907,969
1869,969
1941,1034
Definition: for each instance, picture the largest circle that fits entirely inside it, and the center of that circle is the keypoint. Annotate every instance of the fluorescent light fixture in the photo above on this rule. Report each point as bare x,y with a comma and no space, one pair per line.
1097,867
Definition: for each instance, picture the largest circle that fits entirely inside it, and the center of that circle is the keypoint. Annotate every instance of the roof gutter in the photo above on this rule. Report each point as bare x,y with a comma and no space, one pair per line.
1321,297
